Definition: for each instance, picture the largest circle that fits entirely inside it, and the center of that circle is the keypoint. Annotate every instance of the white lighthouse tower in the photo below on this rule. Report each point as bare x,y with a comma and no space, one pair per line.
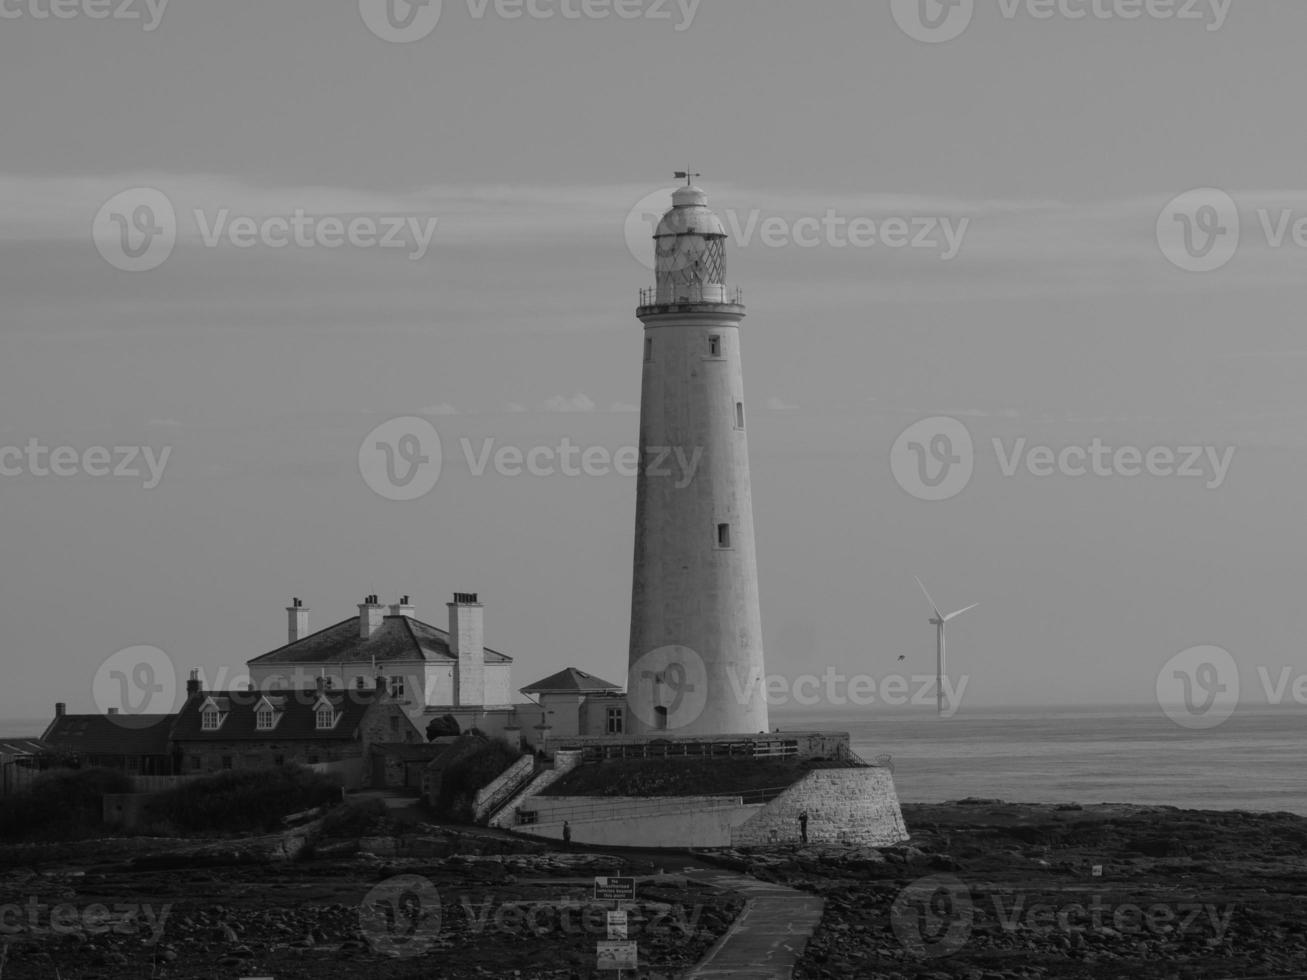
696,659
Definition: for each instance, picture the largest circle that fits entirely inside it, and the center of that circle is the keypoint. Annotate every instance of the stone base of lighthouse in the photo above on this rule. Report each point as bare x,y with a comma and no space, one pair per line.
779,788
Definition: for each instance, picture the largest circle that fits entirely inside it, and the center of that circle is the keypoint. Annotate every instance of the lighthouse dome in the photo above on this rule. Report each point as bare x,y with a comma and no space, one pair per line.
690,215
690,251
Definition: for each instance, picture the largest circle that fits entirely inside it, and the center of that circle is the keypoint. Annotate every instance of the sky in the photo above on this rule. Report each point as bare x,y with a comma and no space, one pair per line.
982,236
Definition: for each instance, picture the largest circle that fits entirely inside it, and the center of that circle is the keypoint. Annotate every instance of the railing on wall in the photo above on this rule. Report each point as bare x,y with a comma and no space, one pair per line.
687,748
615,808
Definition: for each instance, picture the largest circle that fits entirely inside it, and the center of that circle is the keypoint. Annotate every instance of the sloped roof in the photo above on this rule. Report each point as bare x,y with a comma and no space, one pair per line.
298,719
400,638
121,734
570,681
23,746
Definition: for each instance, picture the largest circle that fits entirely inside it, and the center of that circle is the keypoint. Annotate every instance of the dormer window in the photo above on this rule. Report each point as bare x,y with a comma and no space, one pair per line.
213,712
265,718
326,717
397,686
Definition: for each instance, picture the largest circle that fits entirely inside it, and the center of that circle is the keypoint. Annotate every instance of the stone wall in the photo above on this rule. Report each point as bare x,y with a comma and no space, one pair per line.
844,806
564,762
260,754
495,792
668,822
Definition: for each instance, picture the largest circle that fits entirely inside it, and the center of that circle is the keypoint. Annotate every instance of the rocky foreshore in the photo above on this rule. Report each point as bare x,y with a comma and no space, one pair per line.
436,902
984,890
988,890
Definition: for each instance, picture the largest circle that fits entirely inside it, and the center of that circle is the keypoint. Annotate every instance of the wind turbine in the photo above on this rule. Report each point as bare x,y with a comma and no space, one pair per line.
938,622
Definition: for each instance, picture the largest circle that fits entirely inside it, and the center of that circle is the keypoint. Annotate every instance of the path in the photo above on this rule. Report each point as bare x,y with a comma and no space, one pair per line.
767,939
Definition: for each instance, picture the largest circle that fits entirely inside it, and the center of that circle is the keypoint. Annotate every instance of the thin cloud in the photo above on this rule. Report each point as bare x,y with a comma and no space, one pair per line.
576,403
444,408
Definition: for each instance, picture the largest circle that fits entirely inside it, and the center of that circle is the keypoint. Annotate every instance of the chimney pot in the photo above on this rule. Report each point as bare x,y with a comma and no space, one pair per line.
60,709
193,686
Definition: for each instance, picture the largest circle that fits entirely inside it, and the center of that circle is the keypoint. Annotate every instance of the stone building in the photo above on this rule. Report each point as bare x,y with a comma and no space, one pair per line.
139,744
572,702
430,671
331,730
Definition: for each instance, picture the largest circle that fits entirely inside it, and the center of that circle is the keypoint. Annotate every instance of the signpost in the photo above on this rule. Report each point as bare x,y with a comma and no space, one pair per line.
614,889
617,925
617,956
618,953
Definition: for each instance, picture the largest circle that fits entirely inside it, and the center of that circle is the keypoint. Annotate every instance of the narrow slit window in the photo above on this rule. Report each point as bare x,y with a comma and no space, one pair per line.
739,415
723,535
714,346
648,349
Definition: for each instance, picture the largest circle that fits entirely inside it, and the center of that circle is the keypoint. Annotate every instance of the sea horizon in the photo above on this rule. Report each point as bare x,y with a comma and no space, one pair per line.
1087,754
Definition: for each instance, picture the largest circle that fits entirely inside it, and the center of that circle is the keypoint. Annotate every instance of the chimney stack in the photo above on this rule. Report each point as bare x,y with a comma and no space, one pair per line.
371,613
113,711
60,709
193,686
297,621
321,684
467,634
403,608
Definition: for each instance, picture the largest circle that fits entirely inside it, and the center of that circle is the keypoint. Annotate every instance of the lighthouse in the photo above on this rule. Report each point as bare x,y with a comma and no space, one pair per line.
696,656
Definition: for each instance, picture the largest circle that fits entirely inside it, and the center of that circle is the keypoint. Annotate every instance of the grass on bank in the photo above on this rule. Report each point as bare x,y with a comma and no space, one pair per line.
684,777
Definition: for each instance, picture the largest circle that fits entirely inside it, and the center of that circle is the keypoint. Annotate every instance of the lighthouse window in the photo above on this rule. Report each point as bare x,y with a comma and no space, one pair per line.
739,415
714,346
723,535
648,348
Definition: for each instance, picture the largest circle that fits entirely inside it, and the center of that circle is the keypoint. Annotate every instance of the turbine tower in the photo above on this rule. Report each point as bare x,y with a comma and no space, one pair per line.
938,622
696,658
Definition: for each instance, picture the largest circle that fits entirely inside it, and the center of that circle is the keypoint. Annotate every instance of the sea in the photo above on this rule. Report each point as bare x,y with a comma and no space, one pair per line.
1254,760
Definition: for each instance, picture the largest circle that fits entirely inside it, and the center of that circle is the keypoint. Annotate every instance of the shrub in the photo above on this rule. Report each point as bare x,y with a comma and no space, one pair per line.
244,799
444,725
460,782
62,803
355,819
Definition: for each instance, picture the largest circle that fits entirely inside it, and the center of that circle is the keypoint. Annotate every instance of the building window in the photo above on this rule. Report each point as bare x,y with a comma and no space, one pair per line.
648,349
723,535
360,682
210,720
739,415
326,717
615,721
264,719
394,724
196,763
714,346
397,686
226,762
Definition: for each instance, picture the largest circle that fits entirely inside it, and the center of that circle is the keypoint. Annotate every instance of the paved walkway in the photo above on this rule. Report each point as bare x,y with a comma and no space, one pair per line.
766,941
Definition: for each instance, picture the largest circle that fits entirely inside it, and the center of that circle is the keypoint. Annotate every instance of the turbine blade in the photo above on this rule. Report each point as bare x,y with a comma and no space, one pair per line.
954,615
938,614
